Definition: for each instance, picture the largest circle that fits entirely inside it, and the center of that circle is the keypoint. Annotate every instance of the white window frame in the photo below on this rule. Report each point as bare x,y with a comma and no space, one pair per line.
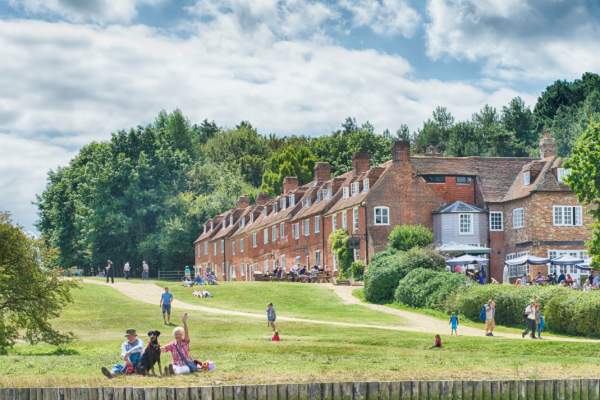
306,227
518,218
241,245
345,220
254,241
562,173
491,221
233,247
354,188
214,248
243,222
366,185
334,222
274,233
355,220
384,215
205,248
567,215
317,224
282,262
355,254
266,236
282,230
222,246
469,223
526,178
282,202
567,269
292,200
345,192
296,231
231,219
318,257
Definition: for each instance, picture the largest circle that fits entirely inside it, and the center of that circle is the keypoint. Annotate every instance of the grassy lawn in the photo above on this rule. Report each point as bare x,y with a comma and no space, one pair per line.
243,352
290,299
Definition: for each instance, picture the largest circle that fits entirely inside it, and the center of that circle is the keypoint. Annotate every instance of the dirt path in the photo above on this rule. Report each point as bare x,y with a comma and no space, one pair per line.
413,322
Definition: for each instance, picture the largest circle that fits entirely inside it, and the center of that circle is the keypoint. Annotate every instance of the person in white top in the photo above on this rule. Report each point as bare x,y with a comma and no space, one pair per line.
126,270
529,315
145,270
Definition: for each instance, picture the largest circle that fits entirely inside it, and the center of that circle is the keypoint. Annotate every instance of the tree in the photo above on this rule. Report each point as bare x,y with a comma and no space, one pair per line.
403,133
297,161
584,179
518,119
405,237
340,247
435,131
31,293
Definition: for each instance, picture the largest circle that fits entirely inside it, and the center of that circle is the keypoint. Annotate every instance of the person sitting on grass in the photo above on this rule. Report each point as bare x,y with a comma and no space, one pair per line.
198,280
182,361
276,337
437,342
165,304
131,353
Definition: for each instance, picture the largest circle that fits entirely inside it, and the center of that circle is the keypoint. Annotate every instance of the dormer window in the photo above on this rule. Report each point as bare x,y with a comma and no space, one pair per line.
275,207
224,223
264,212
526,178
211,225
562,174
366,185
292,200
306,202
282,203
231,220
251,217
328,193
204,230
345,192
354,188
243,222
319,195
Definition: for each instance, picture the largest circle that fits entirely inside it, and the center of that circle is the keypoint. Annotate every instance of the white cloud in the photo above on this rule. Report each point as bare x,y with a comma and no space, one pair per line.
62,85
389,17
516,39
101,11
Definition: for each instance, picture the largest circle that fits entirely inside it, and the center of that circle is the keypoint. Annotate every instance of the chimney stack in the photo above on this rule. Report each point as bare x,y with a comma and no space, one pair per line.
400,151
322,171
360,163
243,202
262,199
547,146
289,183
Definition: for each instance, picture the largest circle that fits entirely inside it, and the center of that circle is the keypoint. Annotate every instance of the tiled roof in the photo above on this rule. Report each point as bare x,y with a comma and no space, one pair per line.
373,174
544,180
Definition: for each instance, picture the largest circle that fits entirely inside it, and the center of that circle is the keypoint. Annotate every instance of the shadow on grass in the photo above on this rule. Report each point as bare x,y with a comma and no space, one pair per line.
59,351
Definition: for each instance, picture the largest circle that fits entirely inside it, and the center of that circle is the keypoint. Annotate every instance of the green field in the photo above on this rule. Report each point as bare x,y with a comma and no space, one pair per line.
243,352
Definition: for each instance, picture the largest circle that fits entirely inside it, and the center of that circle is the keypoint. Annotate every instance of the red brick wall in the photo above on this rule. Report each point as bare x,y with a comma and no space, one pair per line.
450,191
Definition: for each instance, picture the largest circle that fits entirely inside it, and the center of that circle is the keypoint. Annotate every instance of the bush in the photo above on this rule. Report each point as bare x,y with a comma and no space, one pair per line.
385,272
405,237
358,270
428,288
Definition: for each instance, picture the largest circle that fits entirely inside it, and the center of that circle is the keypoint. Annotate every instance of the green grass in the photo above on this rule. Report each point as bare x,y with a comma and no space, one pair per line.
290,299
243,352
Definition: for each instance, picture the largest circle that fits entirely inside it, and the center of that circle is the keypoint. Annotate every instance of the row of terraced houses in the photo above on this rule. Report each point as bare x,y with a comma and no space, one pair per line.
504,207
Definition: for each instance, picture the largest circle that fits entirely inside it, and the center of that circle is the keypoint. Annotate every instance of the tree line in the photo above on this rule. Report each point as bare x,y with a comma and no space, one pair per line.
145,193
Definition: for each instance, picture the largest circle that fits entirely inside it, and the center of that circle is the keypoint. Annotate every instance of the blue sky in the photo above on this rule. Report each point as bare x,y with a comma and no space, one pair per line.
74,71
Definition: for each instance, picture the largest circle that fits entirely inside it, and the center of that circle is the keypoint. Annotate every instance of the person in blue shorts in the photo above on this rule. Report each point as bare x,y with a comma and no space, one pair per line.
165,304
454,324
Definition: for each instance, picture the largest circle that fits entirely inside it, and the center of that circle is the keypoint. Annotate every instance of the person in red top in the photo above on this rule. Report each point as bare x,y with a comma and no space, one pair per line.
275,337
182,363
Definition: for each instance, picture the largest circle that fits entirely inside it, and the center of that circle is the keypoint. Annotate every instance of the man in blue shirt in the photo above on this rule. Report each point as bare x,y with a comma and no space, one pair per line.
165,304
131,353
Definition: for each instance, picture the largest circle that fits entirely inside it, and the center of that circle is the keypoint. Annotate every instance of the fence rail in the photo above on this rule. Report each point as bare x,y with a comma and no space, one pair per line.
588,389
172,275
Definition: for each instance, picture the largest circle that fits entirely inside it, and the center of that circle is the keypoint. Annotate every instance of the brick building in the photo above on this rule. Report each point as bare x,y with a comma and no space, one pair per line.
505,206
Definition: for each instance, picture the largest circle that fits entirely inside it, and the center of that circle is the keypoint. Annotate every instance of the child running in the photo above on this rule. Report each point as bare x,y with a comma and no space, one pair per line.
271,316
454,324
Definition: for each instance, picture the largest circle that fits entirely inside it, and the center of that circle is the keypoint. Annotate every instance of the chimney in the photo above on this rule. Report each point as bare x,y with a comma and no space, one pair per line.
322,171
547,146
360,163
289,183
262,199
400,151
243,202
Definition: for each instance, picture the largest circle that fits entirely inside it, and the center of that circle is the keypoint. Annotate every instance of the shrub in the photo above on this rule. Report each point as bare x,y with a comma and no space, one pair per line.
341,250
358,270
385,272
428,288
405,237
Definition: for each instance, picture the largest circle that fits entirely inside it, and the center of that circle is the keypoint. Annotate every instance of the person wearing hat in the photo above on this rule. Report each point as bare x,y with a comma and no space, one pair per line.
131,353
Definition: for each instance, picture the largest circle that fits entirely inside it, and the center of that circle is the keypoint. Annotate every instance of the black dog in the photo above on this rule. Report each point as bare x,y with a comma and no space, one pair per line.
151,354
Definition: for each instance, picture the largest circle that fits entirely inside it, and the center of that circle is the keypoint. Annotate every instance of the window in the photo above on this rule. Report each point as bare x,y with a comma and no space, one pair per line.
204,230
282,203
382,215
233,248
435,178
282,230
345,220
266,235
282,263
328,193
266,265
334,222
319,195
254,239
205,248
296,231
366,185
517,271
354,188
251,217
355,254
231,219
224,223
518,216
317,223
526,178
355,219
562,174
345,192
241,245
292,200
306,202
567,215
222,246
465,224
463,180
306,224
243,222
567,269
496,221
214,248
318,257
211,225
275,207
273,233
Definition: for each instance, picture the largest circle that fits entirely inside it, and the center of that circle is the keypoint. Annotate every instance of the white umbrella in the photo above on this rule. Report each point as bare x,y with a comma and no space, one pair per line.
467,259
527,259
566,260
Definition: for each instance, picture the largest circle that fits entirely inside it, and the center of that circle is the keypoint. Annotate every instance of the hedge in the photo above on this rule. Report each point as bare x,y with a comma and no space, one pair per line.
428,288
386,271
405,237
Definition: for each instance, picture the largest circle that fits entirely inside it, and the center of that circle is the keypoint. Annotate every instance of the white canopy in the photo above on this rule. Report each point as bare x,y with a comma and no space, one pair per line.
567,260
527,259
467,259
462,249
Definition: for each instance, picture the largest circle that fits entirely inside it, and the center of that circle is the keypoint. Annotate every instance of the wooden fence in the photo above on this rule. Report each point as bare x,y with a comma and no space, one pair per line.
580,389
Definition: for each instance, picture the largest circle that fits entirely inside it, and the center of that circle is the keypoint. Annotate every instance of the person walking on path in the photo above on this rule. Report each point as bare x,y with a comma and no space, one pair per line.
187,273
165,304
145,270
490,314
182,361
454,324
126,270
109,271
271,316
541,323
529,315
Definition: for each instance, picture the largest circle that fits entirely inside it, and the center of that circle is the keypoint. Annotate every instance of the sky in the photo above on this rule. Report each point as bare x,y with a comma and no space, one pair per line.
73,71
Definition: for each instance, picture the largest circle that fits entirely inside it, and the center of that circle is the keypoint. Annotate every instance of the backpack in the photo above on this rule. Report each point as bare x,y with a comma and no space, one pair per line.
482,314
